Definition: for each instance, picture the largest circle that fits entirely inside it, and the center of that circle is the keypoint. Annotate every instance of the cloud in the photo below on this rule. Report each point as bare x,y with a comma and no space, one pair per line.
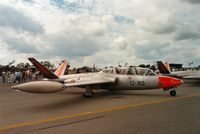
193,1
103,32
185,35
120,43
65,45
12,18
20,46
151,50
188,31
160,24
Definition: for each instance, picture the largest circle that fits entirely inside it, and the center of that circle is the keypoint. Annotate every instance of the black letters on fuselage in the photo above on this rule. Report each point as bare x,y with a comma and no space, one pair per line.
137,83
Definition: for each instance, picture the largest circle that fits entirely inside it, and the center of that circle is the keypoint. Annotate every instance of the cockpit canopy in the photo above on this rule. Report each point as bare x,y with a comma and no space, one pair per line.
130,71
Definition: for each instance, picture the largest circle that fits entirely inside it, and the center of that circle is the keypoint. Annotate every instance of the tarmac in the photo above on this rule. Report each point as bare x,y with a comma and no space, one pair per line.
117,112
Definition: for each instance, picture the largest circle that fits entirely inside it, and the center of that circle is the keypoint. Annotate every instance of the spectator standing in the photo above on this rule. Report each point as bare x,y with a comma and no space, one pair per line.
18,76
37,75
12,76
30,75
9,77
27,74
4,76
23,76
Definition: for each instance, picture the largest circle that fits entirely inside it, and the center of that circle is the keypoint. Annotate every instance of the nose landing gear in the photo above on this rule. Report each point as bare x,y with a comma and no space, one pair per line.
172,93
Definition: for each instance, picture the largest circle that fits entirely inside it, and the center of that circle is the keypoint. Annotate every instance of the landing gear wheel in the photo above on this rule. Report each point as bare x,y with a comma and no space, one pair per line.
89,94
172,93
111,90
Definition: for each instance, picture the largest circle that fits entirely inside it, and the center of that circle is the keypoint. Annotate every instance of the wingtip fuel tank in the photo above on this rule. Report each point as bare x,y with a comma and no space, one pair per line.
40,87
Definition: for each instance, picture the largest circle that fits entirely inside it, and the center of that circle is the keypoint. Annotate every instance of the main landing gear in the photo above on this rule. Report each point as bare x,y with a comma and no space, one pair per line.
88,92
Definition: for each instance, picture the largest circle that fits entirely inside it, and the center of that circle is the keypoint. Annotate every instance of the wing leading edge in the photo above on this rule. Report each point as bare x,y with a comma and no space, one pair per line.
192,77
89,82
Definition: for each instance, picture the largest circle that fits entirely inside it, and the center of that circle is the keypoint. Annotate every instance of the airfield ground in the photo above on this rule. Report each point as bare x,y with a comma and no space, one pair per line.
117,112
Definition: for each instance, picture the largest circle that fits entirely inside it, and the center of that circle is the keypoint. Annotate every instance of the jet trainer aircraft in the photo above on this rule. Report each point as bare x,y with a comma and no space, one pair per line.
188,74
6,67
111,80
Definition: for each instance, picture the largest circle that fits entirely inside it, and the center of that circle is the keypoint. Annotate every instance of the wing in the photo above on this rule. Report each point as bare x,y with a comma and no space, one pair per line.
192,77
89,81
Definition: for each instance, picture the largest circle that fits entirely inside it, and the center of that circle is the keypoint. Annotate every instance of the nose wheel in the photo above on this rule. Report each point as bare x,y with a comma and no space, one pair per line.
172,93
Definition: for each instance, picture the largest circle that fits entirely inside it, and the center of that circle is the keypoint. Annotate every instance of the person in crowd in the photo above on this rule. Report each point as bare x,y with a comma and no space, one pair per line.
27,74
23,76
17,76
9,76
30,75
4,76
37,75
12,76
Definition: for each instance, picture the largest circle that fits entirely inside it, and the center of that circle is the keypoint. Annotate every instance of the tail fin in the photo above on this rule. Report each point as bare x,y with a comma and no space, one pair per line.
167,66
164,69
47,74
61,69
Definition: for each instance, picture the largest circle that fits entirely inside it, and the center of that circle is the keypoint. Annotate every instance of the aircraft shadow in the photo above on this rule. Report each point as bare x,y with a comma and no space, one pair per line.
76,99
102,93
193,84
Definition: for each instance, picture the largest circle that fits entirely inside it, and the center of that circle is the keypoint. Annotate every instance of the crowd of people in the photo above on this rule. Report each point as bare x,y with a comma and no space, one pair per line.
19,76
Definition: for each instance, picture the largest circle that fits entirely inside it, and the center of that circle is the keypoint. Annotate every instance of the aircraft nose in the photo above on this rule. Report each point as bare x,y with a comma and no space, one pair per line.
176,82
167,82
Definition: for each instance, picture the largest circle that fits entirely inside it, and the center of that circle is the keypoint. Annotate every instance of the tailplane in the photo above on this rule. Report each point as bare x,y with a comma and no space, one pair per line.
167,66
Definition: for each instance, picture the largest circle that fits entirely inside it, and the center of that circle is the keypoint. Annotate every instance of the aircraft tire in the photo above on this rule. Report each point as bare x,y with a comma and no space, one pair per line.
111,90
172,93
89,94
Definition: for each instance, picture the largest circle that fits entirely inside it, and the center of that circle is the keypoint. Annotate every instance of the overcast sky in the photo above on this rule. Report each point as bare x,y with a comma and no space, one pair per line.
101,32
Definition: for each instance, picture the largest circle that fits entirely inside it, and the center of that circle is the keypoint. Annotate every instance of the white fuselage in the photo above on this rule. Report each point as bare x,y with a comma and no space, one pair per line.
123,82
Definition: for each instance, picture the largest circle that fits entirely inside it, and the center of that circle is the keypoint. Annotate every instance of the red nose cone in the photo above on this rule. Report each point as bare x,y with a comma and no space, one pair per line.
168,82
